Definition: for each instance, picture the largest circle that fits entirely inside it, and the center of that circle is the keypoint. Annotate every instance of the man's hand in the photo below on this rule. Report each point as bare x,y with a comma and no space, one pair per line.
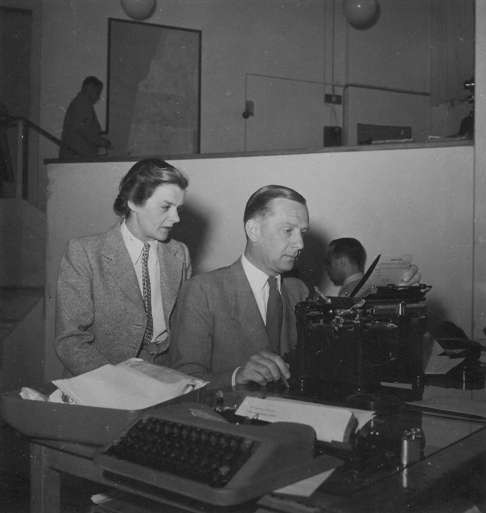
411,276
262,368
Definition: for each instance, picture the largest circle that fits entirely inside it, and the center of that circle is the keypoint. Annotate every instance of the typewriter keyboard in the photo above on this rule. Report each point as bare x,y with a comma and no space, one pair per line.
204,455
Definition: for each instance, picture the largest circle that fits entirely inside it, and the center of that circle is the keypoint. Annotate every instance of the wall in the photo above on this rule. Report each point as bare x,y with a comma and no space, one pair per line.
22,244
479,262
75,41
292,39
413,201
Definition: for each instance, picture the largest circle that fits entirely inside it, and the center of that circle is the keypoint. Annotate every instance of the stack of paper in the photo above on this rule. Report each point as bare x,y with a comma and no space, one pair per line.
131,385
331,423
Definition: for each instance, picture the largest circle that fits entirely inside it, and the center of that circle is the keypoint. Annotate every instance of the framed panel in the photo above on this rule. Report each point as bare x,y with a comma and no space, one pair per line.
153,89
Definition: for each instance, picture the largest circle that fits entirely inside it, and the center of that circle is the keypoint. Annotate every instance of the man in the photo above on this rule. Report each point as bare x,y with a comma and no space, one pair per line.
116,290
232,325
81,132
345,261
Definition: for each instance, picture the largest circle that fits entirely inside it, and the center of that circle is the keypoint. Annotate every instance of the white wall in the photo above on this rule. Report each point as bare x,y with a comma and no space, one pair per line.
294,39
281,37
414,201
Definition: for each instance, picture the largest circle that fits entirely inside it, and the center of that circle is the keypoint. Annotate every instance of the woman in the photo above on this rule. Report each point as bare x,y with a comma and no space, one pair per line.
116,290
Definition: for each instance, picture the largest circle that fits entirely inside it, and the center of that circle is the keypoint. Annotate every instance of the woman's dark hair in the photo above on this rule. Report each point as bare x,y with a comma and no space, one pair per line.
258,202
141,181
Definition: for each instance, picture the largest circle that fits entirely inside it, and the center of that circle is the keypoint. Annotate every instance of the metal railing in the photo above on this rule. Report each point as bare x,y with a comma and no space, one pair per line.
16,160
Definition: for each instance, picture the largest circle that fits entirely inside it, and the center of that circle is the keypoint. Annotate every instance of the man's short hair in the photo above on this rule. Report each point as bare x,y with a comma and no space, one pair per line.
258,202
141,181
350,248
94,81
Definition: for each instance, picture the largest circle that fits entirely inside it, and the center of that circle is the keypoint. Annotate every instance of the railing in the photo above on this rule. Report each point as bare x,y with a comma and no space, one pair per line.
15,155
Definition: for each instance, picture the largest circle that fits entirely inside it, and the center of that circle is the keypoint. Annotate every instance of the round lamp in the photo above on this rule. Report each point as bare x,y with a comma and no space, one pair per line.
138,9
361,14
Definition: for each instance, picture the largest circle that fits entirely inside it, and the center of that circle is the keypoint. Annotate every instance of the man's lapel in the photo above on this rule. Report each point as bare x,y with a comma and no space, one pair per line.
244,309
289,329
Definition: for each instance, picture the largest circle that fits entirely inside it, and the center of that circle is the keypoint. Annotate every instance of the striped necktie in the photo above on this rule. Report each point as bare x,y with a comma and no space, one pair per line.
274,314
147,295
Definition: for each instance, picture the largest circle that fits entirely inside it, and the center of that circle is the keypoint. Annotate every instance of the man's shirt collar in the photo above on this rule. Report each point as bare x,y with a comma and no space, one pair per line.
257,278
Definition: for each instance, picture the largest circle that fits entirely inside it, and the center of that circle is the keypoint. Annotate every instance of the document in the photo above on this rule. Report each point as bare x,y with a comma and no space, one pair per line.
389,271
131,385
331,423
439,362
306,487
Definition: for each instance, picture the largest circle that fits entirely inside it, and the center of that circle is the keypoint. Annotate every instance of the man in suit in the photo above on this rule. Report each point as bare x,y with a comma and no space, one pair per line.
233,325
116,290
81,130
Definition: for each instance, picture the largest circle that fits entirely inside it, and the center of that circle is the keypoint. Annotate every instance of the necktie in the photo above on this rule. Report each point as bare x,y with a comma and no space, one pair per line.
274,314
147,295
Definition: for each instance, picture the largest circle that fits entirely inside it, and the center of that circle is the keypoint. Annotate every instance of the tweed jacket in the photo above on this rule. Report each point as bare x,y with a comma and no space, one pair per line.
217,325
100,316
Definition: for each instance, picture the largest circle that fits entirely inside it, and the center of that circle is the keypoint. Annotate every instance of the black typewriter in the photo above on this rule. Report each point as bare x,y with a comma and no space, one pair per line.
182,449
354,346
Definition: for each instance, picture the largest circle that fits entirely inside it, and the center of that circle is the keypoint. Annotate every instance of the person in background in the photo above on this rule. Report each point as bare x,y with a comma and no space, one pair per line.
345,262
116,290
81,132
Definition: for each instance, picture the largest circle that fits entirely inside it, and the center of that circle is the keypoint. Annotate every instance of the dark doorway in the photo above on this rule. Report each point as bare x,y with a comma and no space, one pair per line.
15,85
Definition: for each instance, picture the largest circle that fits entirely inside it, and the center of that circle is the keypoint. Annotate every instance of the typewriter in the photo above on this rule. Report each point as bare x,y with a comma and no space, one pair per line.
350,346
182,452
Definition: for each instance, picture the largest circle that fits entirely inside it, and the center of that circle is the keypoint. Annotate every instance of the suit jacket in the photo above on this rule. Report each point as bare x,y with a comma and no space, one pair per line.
217,325
100,316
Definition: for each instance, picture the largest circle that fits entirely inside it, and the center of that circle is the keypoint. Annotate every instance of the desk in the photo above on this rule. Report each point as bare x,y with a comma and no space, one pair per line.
414,489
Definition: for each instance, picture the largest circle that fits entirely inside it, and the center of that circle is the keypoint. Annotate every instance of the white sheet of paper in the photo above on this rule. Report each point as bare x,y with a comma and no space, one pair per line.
329,422
128,386
306,487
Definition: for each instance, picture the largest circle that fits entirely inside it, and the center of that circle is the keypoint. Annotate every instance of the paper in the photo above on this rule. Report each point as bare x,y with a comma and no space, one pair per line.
131,385
331,423
306,487
389,271
440,363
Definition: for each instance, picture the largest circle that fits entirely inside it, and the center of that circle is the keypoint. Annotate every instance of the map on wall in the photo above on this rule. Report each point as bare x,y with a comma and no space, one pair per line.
153,92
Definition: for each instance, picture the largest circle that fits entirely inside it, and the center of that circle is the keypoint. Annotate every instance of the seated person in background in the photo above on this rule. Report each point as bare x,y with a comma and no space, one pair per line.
81,130
345,263
116,290
232,325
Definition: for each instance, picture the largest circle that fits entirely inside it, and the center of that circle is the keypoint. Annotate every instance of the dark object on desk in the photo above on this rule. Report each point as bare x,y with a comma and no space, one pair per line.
348,346
455,344
177,450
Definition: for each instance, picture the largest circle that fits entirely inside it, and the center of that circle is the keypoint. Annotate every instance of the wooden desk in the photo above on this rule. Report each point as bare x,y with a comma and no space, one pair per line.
432,479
